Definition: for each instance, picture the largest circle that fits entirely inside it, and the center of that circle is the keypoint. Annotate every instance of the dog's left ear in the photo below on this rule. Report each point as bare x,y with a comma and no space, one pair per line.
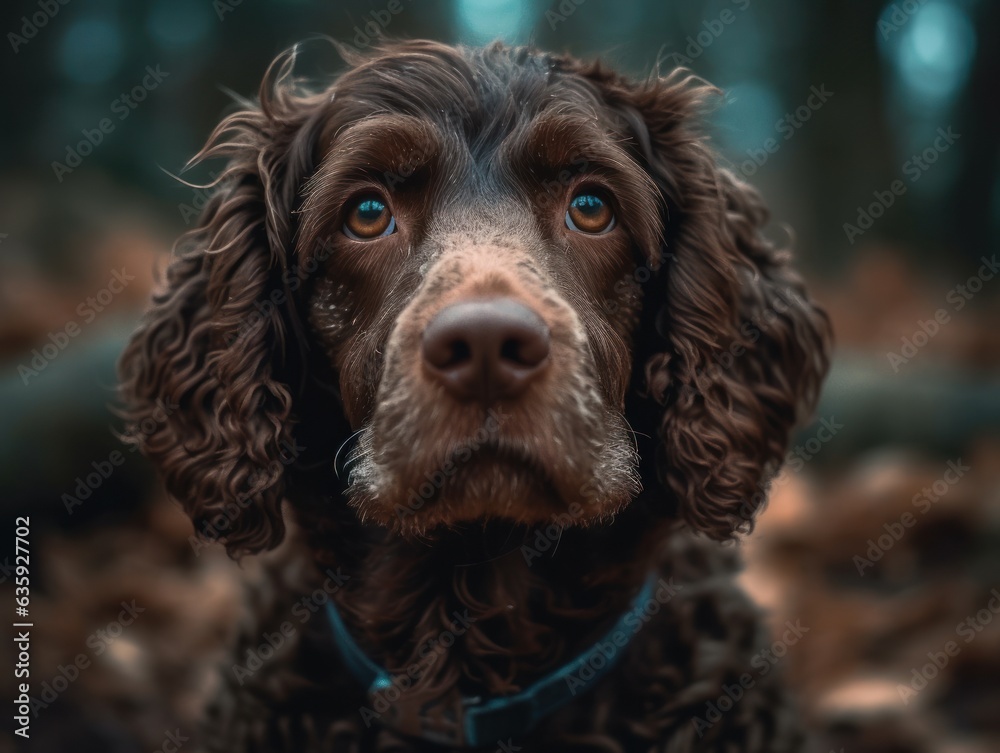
732,346
206,377
746,354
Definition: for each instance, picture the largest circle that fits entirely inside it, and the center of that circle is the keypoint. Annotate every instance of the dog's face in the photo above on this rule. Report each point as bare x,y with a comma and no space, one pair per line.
503,246
480,295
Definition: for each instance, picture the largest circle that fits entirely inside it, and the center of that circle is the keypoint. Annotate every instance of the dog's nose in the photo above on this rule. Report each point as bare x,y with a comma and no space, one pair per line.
486,349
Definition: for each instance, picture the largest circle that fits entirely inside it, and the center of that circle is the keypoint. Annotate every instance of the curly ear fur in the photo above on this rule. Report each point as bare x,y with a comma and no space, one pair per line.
744,364
200,378
732,346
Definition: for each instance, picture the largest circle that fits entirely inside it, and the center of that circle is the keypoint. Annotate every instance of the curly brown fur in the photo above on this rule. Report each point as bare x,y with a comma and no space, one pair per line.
682,351
677,668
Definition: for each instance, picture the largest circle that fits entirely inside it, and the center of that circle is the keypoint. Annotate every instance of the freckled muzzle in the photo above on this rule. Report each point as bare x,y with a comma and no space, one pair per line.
487,333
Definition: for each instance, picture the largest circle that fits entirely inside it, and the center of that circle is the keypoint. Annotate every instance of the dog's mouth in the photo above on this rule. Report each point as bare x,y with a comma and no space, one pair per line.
501,461
497,478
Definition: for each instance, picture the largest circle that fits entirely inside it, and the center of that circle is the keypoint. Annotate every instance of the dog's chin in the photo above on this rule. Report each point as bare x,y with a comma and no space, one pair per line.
490,487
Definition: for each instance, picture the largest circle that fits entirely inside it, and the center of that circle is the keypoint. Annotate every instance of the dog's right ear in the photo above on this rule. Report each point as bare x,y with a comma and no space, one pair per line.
201,378
734,349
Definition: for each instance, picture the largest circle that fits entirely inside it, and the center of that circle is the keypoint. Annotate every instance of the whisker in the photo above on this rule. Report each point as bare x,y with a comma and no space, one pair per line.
336,457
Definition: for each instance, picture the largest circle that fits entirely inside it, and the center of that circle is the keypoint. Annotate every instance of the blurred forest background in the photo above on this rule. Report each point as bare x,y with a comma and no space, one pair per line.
873,131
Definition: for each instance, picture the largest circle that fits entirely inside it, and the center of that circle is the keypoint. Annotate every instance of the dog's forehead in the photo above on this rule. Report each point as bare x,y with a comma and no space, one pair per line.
479,98
484,137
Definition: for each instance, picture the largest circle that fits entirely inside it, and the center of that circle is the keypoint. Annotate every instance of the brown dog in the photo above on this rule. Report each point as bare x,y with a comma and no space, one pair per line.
515,291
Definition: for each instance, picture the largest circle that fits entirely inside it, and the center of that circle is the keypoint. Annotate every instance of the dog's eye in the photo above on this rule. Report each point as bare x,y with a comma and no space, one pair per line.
589,212
367,218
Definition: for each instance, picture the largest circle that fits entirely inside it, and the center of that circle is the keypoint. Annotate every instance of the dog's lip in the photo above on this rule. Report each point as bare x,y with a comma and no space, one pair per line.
505,453
500,453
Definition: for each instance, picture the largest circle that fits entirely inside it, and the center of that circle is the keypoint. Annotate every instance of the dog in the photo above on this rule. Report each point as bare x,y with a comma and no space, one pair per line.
485,344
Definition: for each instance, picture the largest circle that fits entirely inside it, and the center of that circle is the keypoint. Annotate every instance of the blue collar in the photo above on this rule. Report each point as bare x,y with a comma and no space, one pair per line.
459,720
